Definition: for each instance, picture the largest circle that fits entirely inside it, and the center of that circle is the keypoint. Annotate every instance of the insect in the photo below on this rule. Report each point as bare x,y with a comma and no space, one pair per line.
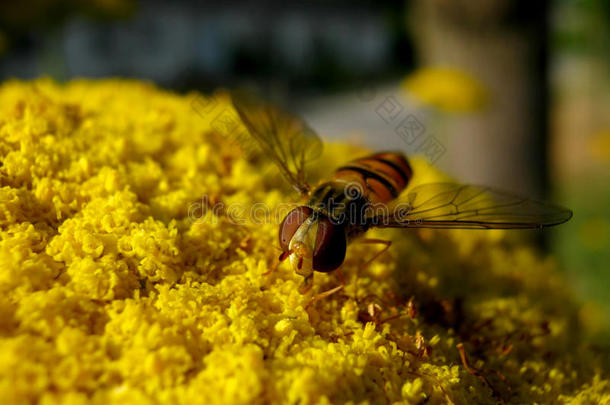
368,192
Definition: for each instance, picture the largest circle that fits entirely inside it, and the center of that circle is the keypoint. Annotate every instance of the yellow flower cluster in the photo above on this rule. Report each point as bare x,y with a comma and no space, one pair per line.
113,291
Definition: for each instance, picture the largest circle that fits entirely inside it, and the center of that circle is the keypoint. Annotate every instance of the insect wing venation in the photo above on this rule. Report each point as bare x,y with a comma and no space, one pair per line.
288,140
448,205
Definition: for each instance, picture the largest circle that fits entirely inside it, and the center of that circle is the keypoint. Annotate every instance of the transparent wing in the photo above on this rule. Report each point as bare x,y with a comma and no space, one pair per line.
289,141
449,205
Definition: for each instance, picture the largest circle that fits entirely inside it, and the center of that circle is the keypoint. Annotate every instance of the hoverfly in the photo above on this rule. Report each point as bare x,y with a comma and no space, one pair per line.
366,193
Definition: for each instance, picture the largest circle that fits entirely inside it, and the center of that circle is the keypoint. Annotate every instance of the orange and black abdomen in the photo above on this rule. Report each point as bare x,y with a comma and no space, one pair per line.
382,176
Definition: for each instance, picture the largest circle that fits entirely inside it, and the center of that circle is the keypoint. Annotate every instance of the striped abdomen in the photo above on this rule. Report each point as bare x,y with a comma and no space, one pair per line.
382,176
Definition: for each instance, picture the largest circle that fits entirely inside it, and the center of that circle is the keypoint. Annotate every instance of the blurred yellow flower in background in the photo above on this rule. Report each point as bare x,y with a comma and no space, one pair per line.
446,89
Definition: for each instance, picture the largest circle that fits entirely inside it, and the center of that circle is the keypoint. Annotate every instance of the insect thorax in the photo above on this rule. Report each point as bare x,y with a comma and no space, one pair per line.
344,205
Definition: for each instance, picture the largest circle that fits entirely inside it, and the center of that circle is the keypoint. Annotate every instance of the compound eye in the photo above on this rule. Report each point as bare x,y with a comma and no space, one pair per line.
330,247
291,223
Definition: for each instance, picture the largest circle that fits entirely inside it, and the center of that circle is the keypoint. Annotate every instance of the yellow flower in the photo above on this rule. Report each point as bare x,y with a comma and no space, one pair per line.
447,89
119,284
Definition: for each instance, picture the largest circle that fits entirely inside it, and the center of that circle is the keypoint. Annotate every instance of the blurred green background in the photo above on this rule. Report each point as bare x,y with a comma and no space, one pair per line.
509,93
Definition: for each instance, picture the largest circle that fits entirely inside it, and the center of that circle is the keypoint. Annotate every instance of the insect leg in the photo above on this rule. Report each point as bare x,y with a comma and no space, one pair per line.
282,257
387,244
307,284
340,276
324,294
327,293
